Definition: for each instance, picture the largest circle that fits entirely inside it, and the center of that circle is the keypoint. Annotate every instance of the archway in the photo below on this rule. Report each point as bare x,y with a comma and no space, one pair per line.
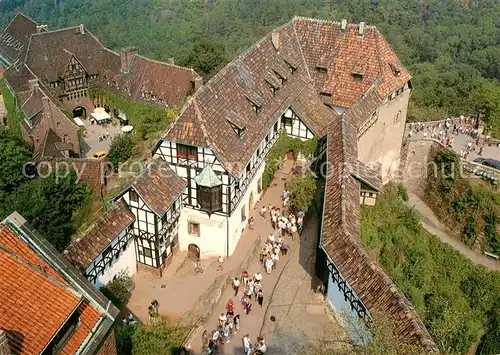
250,200
80,111
193,252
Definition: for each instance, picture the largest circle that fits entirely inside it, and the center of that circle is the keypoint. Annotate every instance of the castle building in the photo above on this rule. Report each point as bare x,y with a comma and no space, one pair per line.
338,82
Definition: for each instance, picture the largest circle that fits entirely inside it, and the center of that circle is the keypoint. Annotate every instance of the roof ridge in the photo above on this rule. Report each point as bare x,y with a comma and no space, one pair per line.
167,64
331,22
379,59
217,76
301,51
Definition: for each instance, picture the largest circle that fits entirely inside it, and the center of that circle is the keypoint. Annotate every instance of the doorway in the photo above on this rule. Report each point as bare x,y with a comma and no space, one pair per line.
80,111
193,252
250,201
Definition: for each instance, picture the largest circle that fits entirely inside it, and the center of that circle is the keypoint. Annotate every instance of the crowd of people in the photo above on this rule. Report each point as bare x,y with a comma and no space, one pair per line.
229,322
446,130
248,288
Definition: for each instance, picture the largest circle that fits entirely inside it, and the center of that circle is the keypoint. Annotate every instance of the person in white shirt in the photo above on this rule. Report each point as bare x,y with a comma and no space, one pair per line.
220,260
271,238
222,319
236,286
269,265
258,276
246,344
263,211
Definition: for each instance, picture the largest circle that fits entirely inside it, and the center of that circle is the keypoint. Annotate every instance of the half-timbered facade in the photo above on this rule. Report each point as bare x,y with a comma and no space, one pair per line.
154,198
106,248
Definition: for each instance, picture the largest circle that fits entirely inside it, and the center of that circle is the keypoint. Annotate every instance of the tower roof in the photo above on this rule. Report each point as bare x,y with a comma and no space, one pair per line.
208,178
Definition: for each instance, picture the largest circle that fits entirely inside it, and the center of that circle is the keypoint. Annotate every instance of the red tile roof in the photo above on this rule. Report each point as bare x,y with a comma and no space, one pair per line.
304,45
35,300
100,234
345,53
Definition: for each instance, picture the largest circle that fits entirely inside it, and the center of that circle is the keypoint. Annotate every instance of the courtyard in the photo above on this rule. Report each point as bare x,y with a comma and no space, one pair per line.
300,316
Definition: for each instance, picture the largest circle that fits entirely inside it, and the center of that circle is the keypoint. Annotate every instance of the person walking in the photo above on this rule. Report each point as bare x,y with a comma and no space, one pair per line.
227,333
260,297
236,286
269,265
250,223
220,261
230,307
246,344
204,340
236,321
263,212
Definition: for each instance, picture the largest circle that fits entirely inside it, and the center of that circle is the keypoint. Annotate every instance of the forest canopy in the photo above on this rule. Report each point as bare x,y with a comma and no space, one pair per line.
450,46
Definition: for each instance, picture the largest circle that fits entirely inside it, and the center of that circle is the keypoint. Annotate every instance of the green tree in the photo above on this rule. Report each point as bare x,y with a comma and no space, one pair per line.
302,191
486,96
118,289
13,156
207,57
120,150
159,338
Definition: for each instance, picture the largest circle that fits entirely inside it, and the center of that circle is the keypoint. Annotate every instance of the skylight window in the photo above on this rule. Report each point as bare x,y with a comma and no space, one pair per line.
358,77
322,70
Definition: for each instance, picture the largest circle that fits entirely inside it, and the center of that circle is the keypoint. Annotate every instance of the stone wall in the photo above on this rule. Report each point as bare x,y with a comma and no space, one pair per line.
208,300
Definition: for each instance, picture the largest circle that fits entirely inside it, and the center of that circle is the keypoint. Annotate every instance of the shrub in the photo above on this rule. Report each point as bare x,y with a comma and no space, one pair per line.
117,290
159,338
120,149
303,191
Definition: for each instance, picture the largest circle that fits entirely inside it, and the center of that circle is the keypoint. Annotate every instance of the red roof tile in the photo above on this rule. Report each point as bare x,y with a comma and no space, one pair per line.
34,304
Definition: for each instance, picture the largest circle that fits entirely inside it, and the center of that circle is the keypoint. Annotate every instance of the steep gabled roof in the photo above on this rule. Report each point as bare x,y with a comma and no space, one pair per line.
18,78
311,110
16,36
236,89
49,148
100,234
49,53
158,186
344,53
169,83
36,300
341,242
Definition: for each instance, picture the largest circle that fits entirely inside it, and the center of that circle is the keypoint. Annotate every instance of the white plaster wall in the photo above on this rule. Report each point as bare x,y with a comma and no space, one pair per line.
126,261
213,231
236,226
382,142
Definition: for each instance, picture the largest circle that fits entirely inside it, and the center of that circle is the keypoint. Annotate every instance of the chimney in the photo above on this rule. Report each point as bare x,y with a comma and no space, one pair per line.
127,56
41,28
361,28
82,29
171,60
275,38
343,25
4,344
198,82
33,84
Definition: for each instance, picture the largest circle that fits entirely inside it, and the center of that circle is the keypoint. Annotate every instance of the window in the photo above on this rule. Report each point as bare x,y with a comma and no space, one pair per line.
287,121
321,70
357,77
186,152
243,214
194,229
209,198
134,197
147,252
107,256
397,117
63,335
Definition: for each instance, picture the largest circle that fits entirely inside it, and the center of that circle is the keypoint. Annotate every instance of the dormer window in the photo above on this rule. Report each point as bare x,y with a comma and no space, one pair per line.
395,70
255,100
273,85
291,65
322,70
358,77
326,94
280,75
237,123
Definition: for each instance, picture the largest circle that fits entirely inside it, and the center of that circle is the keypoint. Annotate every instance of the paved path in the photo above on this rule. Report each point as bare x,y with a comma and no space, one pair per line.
252,324
460,143
432,224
